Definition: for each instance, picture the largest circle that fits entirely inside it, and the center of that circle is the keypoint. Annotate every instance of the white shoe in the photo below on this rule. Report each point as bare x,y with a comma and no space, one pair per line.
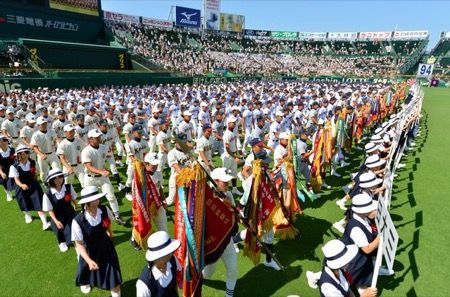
129,197
272,264
63,247
384,271
45,226
336,174
325,186
341,204
401,165
339,227
85,289
121,187
412,143
344,164
236,248
236,192
9,197
312,281
28,218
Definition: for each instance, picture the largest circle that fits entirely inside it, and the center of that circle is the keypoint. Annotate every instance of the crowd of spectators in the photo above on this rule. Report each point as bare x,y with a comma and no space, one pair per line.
191,53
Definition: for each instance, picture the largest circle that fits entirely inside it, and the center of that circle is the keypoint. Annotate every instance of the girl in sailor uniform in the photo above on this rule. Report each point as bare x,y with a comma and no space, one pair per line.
7,159
98,264
334,281
158,279
359,231
59,201
28,191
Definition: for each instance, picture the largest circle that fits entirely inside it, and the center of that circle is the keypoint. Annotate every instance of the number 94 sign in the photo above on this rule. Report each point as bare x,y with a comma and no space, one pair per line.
425,70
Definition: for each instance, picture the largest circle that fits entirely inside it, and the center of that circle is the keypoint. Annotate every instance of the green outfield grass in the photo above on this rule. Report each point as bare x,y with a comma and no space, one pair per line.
31,264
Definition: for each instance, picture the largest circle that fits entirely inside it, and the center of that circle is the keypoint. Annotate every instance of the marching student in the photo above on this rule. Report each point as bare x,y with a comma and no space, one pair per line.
7,159
11,126
230,158
178,158
204,148
93,157
114,127
59,202
333,281
151,163
153,128
69,153
81,129
229,258
58,125
159,276
98,263
28,130
28,191
163,142
43,143
136,148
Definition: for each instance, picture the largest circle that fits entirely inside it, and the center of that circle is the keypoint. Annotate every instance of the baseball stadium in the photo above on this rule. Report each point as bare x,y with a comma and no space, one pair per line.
211,153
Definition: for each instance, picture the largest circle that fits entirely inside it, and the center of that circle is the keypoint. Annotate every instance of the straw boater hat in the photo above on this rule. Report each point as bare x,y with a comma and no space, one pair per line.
22,148
89,194
337,254
374,161
369,180
160,245
376,139
363,203
54,173
3,136
371,147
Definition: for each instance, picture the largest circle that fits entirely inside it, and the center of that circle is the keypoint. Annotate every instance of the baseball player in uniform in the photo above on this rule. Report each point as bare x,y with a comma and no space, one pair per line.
81,129
204,148
69,153
177,158
230,158
11,127
163,142
93,157
153,129
113,127
59,124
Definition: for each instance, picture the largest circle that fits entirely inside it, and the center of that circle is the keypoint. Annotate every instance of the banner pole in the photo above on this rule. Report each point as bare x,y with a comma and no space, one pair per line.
377,263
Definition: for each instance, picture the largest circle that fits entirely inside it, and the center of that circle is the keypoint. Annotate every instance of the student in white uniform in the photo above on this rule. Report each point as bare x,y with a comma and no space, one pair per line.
159,275
203,118
275,130
230,157
153,129
59,124
69,153
43,142
127,129
178,158
204,148
187,126
11,127
163,143
229,258
114,127
151,163
81,129
136,149
27,131
93,157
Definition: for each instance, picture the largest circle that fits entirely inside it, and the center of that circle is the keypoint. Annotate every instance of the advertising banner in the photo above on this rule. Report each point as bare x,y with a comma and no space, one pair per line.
120,17
343,35
232,22
156,23
212,14
257,33
375,35
312,35
410,34
90,7
187,17
284,34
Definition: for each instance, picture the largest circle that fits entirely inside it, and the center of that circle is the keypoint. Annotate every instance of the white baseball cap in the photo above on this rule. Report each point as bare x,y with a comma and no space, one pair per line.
221,174
187,113
284,135
41,120
93,133
151,158
69,127
30,118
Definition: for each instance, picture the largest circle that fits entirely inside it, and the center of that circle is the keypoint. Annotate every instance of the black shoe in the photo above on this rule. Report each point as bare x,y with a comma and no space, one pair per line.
135,246
120,221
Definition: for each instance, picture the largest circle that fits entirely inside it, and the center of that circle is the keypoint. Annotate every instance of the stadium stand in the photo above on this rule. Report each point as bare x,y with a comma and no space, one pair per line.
441,55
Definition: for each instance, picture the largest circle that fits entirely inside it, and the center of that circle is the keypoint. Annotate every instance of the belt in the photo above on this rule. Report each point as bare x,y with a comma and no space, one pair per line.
94,175
14,137
48,153
73,165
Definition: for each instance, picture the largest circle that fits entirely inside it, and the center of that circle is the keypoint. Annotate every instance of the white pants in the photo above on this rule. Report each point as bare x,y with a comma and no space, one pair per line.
218,146
172,189
162,157
112,164
273,143
78,172
130,174
119,147
152,142
230,164
229,259
105,185
51,161
160,219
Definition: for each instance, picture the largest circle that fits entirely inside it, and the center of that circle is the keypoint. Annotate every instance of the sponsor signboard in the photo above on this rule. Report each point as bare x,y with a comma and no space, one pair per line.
120,17
284,34
212,14
187,17
312,35
231,22
156,23
410,34
343,35
257,33
375,35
